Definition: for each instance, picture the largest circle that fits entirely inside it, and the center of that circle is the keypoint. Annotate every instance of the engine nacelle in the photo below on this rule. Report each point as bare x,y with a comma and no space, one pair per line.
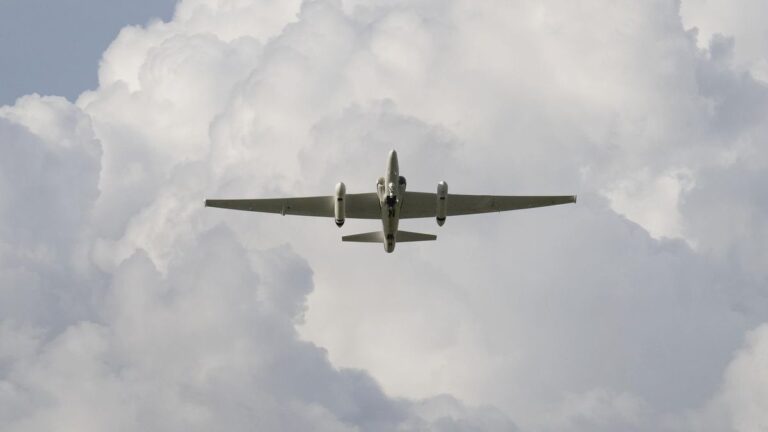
442,202
339,211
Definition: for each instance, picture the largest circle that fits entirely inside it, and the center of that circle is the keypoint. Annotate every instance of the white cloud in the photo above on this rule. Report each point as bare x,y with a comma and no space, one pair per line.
742,20
740,404
653,203
746,384
48,181
121,292
600,409
198,338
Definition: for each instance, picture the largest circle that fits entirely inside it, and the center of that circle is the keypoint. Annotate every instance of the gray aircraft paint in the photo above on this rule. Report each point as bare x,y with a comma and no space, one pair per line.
390,203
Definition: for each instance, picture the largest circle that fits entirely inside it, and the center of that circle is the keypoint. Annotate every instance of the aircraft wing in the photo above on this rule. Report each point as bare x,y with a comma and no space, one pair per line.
424,204
357,206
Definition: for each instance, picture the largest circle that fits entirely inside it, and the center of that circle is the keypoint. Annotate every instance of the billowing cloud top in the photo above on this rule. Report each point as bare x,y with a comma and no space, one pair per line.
125,305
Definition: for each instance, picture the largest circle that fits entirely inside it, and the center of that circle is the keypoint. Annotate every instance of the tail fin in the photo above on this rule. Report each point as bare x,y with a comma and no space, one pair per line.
407,236
370,237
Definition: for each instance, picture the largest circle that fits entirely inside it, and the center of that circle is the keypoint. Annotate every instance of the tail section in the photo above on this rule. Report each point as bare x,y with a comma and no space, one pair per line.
407,236
378,237
370,237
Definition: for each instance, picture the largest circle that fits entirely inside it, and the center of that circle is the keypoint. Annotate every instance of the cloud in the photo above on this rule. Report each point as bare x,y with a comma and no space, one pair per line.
712,19
620,313
739,404
48,185
200,339
200,348
599,409
746,383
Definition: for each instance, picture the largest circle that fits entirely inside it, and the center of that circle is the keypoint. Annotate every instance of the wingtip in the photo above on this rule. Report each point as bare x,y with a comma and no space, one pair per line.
575,198
205,203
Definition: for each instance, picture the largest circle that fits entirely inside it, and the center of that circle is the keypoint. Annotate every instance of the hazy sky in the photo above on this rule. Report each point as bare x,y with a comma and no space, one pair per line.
53,47
125,305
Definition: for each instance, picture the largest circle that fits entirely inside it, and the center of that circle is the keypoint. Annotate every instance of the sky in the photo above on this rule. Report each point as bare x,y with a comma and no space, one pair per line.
126,305
54,47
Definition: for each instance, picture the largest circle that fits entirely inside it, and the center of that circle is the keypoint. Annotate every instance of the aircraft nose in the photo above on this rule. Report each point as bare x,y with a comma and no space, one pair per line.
392,155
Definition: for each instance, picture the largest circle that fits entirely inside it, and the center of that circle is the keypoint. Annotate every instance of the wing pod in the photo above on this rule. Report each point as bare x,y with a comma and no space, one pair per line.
338,204
442,202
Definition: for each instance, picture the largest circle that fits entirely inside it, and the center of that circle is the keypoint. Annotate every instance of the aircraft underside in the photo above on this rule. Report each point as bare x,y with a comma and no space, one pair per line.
390,203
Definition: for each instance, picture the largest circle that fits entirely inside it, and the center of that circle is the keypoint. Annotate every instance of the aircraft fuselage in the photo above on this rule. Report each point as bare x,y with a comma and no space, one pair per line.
389,189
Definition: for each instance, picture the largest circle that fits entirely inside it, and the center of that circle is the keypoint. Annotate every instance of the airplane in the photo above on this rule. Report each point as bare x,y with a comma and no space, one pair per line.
390,203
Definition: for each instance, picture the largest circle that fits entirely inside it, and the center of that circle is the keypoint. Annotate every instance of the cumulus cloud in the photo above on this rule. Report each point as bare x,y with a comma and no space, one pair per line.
715,18
740,402
745,393
203,342
126,303
48,184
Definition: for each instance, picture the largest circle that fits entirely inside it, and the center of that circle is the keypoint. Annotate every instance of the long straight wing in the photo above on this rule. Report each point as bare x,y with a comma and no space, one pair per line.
424,204
358,206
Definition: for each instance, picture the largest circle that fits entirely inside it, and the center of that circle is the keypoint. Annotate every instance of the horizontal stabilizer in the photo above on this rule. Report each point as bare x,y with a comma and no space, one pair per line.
369,237
378,237
407,236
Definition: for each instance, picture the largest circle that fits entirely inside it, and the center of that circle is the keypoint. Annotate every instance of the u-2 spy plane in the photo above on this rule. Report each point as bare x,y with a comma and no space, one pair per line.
390,203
